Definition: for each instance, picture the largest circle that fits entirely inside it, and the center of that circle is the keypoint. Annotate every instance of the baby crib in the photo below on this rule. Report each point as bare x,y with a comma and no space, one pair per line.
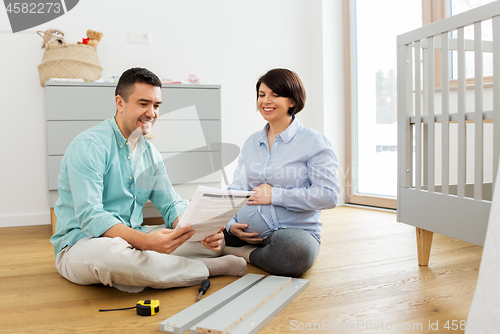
449,129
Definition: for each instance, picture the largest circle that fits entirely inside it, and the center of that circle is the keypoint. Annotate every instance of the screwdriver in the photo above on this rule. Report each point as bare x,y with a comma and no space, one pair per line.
204,287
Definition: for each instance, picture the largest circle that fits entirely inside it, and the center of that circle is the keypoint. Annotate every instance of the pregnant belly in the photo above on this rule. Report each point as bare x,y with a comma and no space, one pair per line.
249,214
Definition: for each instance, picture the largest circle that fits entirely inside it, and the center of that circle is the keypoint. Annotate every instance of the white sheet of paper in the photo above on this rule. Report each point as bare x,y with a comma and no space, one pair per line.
210,209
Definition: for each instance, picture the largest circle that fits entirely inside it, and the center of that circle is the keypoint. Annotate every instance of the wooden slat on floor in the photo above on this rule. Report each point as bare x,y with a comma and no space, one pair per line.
366,277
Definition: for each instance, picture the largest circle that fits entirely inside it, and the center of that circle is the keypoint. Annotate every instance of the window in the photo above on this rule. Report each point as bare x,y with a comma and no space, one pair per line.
375,26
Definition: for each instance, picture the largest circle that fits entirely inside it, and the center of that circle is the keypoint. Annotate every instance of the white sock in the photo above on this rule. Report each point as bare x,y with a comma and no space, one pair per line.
243,251
228,265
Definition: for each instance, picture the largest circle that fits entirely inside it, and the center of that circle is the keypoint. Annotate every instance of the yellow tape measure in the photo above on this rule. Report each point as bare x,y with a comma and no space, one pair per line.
143,307
148,307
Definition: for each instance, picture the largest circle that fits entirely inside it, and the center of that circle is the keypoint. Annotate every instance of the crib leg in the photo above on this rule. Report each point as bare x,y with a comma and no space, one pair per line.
424,243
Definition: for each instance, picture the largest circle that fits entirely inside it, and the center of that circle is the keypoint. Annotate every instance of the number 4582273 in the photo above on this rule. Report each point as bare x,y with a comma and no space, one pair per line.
33,8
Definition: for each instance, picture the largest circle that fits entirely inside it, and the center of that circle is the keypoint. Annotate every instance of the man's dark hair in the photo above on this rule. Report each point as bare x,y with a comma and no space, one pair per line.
285,83
132,76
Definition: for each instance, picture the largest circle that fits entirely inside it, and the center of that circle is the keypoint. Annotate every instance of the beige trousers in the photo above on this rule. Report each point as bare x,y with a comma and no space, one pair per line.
114,262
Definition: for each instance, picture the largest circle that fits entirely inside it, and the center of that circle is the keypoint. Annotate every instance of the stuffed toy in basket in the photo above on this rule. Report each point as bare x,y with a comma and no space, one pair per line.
69,61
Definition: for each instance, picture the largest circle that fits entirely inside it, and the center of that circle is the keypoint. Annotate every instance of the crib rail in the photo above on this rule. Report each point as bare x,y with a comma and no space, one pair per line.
418,115
487,46
470,17
487,117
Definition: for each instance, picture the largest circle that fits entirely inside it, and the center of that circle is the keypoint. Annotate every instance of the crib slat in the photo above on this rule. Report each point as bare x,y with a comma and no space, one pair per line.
496,96
409,107
404,139
430,110
424,126
445,105
461,113
478,99
452,44
418,114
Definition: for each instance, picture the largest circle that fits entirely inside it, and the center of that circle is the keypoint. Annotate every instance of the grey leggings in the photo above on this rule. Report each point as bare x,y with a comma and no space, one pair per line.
285,252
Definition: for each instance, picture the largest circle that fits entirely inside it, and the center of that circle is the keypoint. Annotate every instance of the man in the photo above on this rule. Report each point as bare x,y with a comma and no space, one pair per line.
107,174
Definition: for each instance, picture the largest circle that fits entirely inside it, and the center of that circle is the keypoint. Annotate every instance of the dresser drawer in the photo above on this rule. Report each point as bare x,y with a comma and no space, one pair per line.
188,167
61,133
94,103
182,135
168,136
193,167
180,102
81,103
54,165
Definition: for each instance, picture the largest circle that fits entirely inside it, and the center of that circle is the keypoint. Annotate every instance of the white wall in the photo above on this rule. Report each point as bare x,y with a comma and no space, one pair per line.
333,122
227,42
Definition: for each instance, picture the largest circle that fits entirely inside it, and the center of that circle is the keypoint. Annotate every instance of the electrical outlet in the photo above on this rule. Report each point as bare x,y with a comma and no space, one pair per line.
140,38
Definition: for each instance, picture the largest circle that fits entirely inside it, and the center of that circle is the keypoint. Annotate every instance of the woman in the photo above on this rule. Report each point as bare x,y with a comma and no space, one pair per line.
292,170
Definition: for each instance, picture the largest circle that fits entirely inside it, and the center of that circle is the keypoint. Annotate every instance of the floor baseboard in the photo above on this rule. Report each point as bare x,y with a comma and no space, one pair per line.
32,219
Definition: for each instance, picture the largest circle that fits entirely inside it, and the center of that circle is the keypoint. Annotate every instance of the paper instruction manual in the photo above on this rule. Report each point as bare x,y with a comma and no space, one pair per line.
211,209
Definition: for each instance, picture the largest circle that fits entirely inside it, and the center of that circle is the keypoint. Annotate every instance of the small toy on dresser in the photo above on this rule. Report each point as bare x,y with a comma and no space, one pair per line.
52,37
93,38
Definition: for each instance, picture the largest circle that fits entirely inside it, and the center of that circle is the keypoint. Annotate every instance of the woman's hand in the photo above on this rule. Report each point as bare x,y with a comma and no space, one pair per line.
262,196
214,241
251,238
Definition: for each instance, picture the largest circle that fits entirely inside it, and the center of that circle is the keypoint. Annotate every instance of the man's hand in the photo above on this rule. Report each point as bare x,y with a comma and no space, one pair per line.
213,242
262,196
251,238
162,241
167,241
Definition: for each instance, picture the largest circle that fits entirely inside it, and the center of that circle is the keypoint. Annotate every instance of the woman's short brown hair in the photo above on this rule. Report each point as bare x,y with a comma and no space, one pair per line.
285,83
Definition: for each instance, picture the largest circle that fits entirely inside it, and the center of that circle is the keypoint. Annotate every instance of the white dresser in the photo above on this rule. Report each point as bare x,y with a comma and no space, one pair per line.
187,133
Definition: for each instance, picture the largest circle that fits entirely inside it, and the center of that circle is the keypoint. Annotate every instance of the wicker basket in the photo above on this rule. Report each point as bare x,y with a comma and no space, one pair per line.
70,61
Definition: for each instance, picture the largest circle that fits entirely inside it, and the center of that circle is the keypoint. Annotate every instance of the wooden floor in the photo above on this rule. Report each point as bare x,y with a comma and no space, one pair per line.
365,280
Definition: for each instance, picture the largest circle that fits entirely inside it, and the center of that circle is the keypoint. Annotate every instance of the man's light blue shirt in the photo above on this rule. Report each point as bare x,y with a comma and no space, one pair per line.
101,184
302,169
